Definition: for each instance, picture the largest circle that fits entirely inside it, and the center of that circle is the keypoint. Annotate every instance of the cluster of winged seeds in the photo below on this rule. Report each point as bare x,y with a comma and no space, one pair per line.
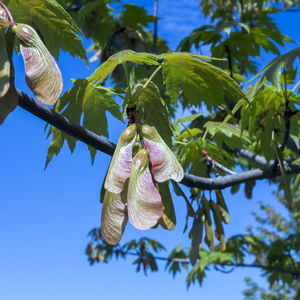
141,161
42,74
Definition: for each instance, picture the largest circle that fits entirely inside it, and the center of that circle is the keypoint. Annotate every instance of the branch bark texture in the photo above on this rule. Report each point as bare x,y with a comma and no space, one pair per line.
103,145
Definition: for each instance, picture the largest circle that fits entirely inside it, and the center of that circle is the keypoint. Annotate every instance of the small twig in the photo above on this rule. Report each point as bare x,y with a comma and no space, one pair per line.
294,273
107,147
154,48
287,114
216,164
229,58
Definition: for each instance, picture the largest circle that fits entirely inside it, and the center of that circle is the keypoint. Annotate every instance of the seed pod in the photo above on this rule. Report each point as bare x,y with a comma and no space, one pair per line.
143,199
113,217
4,19
234,189
222,207
209,237
196,234
120,165
165,165
219,233
4,65
42,74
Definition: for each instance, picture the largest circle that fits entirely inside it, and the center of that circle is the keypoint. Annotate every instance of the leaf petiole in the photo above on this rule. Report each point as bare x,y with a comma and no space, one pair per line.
11,19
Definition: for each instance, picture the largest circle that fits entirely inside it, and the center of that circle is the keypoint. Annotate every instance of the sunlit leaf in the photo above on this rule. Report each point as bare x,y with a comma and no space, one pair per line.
199,81
56,26
122,57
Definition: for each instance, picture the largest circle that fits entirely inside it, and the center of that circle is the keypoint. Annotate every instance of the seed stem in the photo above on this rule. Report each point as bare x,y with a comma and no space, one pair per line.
11,19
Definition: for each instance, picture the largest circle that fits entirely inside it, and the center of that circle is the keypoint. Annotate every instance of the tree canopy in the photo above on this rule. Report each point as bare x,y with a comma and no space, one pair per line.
240,125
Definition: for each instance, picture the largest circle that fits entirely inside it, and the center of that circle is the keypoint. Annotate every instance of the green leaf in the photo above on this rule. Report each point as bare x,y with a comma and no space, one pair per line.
273,70
4,65
136,15
219,233
286,183
222,207
168,220
179,192
56,26
94,101
121,57
196,236
153,110
184,120
209,237
8,103
229,134
199,81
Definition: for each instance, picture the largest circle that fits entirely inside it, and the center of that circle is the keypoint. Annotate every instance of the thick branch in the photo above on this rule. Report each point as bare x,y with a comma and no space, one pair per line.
65,125
107,147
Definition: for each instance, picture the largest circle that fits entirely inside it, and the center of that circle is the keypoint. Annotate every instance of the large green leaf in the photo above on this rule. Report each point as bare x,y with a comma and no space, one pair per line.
273,70
198,80
153,110
124,56
56,26
84,97
229,134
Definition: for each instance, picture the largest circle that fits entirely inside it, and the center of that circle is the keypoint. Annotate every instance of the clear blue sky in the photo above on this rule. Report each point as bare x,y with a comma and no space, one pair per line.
45,216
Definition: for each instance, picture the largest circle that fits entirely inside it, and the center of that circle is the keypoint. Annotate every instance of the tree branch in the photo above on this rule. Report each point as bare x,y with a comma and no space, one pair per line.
154,47
294,273
107,147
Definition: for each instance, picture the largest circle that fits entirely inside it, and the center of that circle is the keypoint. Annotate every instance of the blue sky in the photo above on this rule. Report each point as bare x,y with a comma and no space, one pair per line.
45,216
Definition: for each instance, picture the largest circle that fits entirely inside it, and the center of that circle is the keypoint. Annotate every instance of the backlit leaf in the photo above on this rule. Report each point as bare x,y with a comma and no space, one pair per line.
56,26
121,57
199,81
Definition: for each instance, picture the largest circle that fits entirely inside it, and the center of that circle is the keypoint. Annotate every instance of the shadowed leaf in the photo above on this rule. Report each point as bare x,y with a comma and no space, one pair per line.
168,220
4,65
